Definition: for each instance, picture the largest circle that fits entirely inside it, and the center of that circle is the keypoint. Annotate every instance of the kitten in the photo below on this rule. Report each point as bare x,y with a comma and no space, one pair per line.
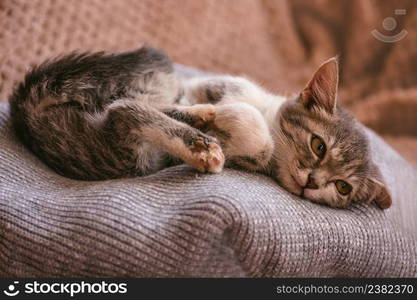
101,116
319,151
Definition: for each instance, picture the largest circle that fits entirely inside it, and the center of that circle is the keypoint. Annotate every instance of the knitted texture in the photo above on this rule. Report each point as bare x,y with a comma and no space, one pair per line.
198,33
180,223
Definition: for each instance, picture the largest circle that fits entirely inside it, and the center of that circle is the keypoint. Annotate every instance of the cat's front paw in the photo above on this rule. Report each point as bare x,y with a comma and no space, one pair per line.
203,114
207,155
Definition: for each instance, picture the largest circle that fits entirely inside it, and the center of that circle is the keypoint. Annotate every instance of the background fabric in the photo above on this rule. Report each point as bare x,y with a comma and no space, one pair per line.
277,43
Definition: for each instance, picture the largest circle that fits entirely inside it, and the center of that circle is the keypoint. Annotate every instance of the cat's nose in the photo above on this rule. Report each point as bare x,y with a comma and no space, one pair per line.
311,184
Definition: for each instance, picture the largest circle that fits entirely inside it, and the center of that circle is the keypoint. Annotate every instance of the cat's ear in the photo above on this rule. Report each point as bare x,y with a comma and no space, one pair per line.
377,190
321,90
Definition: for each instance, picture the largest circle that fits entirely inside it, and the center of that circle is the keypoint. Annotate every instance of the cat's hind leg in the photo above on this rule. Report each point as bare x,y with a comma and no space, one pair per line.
239,127
244,136
137,124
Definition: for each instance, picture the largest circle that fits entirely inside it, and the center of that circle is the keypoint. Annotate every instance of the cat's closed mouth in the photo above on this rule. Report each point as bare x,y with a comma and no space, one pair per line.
298,187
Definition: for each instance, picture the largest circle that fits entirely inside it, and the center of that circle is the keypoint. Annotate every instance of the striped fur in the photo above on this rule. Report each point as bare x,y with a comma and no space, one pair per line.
291,124
101,116
97,116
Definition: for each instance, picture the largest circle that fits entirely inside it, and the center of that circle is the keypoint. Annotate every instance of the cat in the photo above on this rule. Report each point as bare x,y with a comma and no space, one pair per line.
96,116
319,151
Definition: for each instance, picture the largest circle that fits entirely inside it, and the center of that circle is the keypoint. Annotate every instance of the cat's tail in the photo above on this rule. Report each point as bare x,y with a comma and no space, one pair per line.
53,109
86,82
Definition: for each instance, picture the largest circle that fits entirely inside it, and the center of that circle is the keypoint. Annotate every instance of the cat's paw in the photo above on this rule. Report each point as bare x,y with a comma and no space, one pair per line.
207,155
203,114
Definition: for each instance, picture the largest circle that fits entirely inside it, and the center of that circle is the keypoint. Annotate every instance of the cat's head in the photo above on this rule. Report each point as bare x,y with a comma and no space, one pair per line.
322,152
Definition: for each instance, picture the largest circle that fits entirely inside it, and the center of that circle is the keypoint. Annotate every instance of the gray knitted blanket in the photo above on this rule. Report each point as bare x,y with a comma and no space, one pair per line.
180,223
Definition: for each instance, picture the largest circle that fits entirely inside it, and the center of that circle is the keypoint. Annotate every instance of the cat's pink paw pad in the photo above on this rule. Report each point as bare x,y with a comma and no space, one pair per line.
208,156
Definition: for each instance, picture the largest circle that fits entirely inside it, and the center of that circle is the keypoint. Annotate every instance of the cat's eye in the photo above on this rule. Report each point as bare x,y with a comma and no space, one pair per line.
343,187
318,146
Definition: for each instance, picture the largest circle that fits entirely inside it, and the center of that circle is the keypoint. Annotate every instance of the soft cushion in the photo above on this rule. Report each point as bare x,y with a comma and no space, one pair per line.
178,222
